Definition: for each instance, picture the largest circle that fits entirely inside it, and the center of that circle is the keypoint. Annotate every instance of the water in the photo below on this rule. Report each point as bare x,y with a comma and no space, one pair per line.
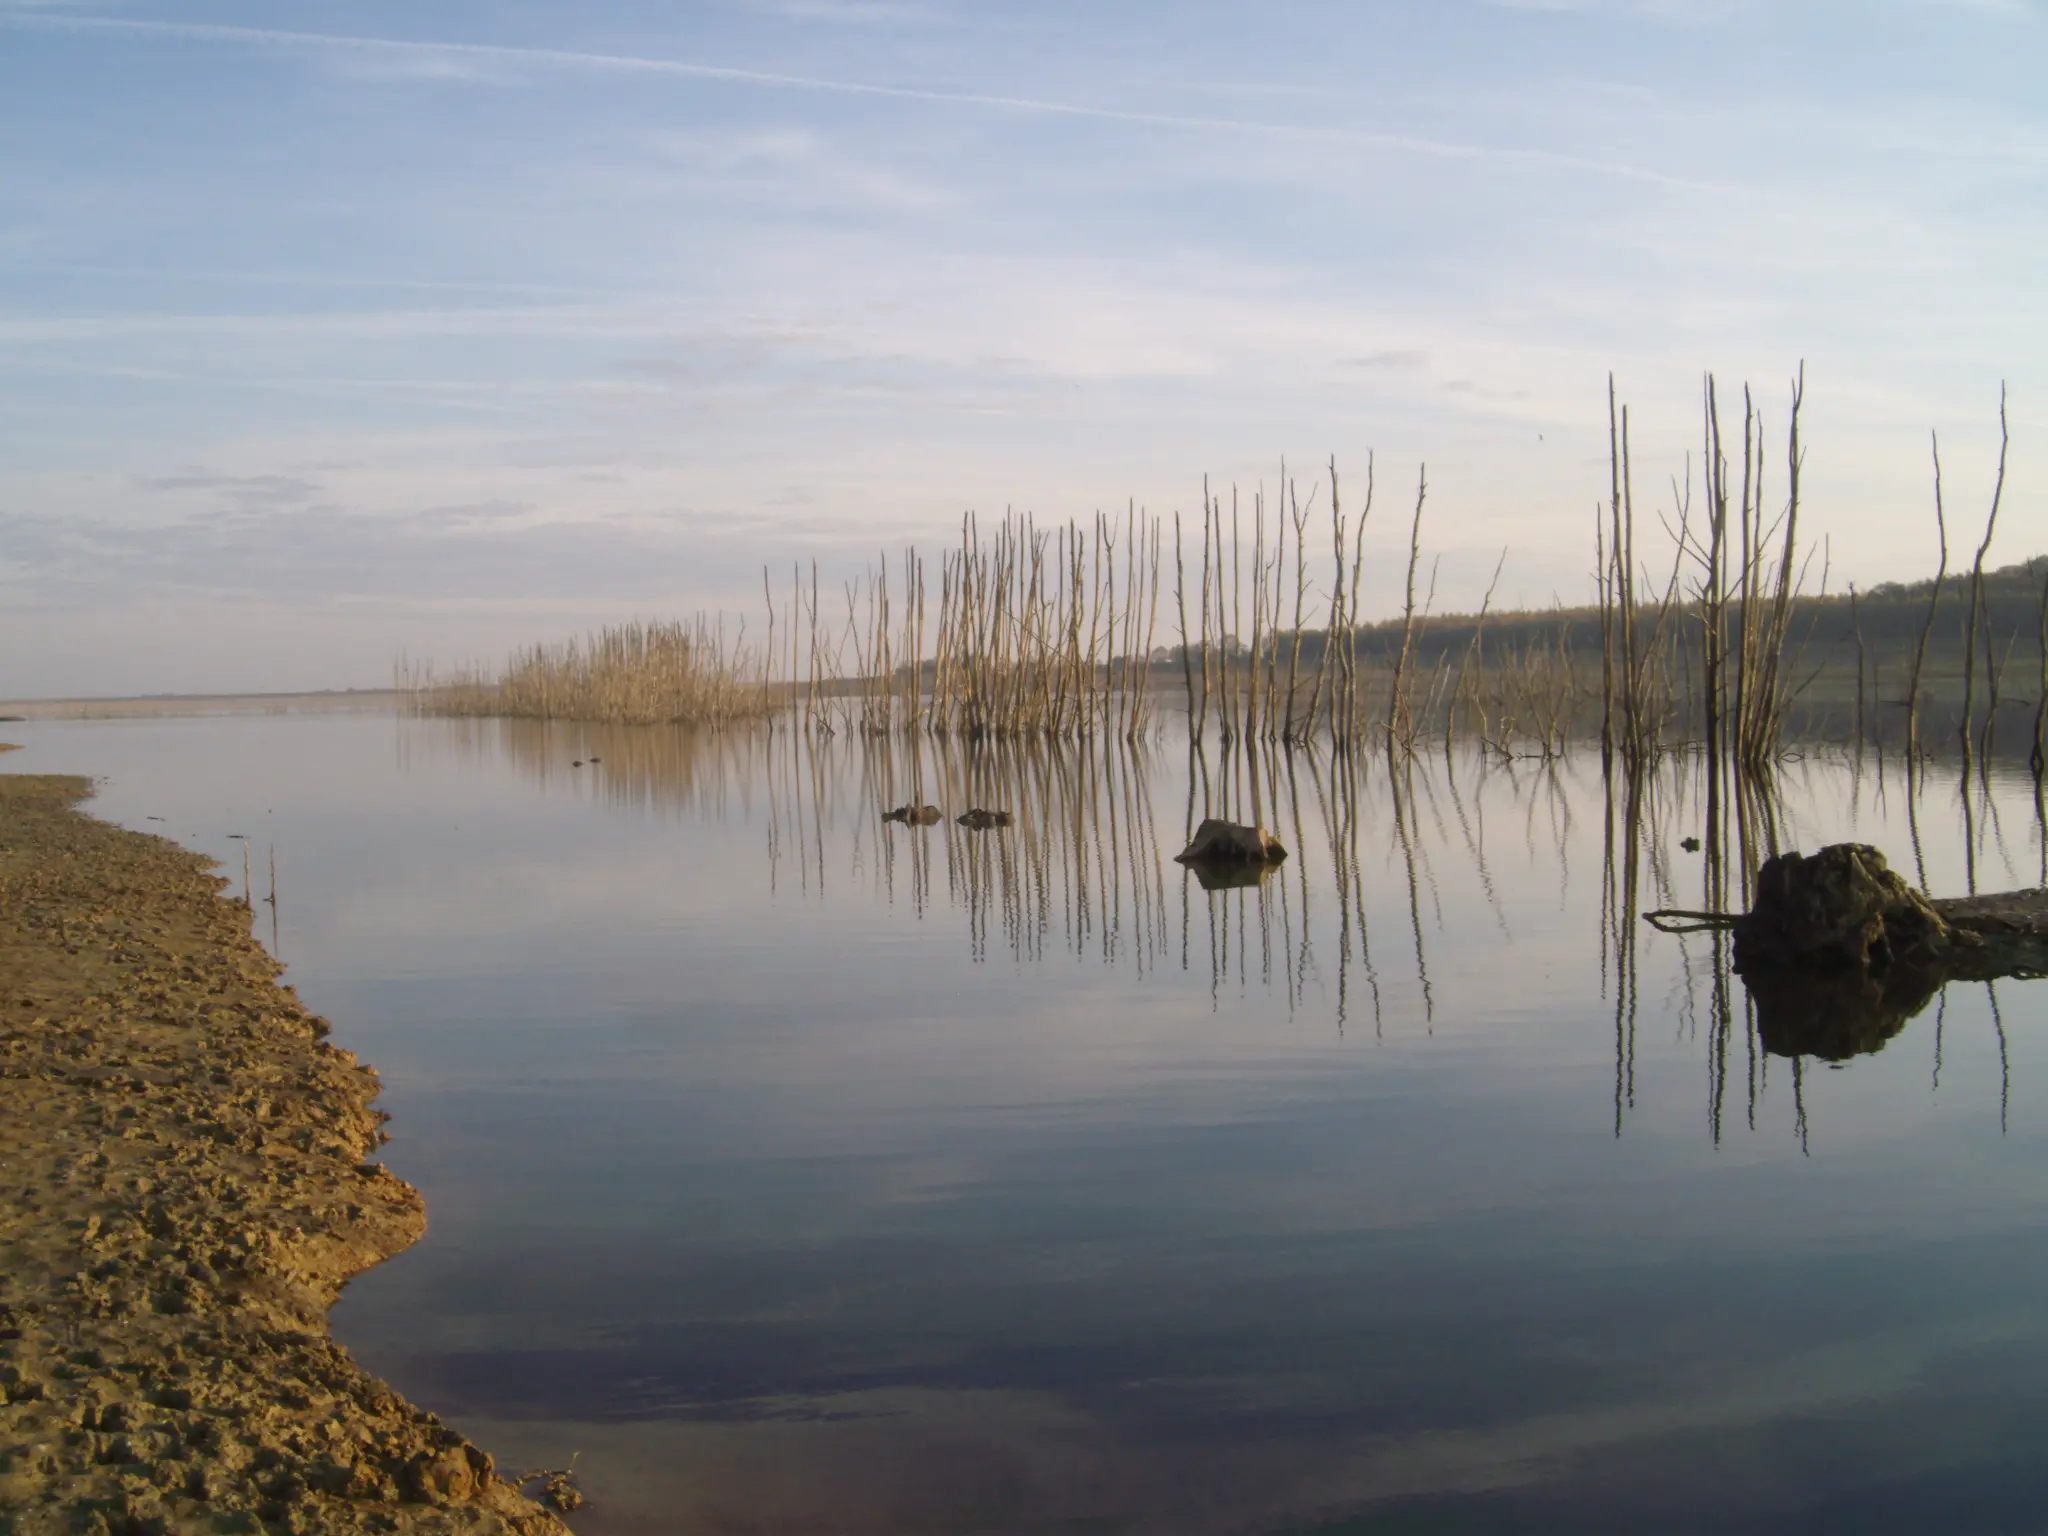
801,1174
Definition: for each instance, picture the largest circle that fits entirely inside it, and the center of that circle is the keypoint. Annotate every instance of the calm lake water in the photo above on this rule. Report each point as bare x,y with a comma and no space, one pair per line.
803,1174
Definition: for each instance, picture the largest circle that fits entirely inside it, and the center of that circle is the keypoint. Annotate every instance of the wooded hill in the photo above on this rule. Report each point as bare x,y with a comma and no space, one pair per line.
1890,618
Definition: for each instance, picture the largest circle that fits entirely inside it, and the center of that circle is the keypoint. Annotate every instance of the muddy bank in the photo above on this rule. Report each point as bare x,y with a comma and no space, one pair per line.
183,1191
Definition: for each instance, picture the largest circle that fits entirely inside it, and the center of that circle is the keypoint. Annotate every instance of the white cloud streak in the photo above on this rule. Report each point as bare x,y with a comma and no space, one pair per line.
450,53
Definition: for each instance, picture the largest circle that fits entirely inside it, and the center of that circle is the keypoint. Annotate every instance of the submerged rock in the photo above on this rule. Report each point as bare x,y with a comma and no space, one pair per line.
978,820
1228,842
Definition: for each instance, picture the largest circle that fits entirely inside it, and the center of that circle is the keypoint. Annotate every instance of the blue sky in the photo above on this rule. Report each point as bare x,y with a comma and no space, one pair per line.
328,330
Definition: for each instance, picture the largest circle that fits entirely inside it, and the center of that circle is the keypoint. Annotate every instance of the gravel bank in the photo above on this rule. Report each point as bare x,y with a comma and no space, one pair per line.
183,1192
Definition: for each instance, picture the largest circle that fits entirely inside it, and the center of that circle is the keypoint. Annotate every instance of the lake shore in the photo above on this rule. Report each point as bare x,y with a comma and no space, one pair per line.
184,1189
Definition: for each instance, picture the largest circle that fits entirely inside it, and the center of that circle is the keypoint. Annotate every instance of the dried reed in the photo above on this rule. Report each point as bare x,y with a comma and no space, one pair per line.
684,672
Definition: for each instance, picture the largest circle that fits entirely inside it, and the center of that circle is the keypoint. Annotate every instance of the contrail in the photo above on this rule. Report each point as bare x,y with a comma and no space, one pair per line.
630,64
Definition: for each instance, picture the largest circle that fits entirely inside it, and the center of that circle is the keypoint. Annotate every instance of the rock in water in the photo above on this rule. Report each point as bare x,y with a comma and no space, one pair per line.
978,820
914,815
1844,906
1226,842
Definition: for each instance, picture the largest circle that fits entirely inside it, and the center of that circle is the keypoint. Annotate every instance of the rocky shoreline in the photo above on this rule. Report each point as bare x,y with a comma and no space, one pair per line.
184,1189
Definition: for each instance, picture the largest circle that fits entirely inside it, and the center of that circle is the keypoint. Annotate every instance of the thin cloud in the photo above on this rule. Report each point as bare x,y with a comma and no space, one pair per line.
349,325
858,13
631,64
240,276
797,163
2005,10
1404,357
1686,13
248,492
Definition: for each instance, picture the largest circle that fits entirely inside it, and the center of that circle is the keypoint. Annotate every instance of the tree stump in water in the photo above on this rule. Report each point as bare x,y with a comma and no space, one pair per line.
1838,952
1844,907
1226,842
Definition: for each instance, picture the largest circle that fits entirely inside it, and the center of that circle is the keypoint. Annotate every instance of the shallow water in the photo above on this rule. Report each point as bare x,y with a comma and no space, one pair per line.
802,1174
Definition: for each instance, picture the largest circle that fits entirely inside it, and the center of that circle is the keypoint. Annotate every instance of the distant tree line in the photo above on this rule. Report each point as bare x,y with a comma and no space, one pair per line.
1890,617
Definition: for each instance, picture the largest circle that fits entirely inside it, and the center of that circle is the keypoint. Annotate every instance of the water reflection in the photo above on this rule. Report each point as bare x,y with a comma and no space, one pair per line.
1083,865
807,1173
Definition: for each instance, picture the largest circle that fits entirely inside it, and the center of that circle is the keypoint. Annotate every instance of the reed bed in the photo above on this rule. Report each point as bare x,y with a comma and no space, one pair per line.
678,673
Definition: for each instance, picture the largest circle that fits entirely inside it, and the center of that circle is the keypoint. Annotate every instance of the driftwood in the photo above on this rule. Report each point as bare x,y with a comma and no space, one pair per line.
915,815
1838,952
1226,842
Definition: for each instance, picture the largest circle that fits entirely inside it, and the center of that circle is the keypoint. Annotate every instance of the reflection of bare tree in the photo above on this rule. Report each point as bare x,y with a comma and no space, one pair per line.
1940,1025
1084,868
1473,829
2041,814
1623,843
1739,813
2004,1058
1400,783
1338,805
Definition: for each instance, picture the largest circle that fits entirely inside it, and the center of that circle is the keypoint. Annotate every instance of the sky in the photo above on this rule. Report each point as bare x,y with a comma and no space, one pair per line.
335,331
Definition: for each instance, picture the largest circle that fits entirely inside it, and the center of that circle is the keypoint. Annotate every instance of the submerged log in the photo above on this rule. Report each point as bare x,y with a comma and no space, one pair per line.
915,815
1227,842
2007,933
